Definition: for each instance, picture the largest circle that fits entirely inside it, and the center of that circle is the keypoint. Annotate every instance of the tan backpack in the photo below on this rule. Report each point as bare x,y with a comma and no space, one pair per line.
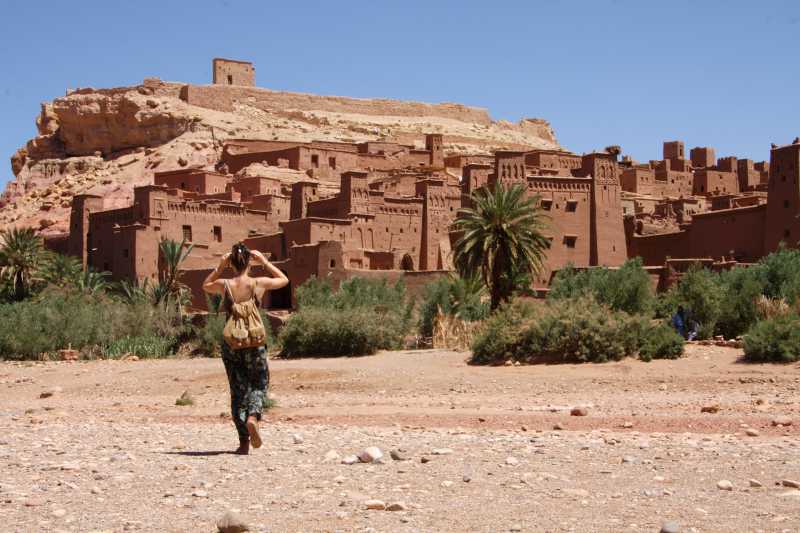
244,327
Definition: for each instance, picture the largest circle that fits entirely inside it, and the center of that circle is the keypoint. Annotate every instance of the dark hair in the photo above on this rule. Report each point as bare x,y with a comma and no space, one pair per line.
240,257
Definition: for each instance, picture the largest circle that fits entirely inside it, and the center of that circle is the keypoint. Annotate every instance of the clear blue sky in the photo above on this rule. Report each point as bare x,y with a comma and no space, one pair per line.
628,72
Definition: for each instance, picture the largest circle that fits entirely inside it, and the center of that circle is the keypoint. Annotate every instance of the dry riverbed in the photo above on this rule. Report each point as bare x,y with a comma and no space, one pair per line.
101,446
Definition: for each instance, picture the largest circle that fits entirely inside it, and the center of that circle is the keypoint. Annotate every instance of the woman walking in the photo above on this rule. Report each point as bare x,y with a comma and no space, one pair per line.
244,346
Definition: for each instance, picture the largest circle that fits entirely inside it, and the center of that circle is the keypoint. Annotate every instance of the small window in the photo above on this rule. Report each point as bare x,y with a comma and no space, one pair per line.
125,253
230,79
333,263
187,233
572,206
315,160
547,205
218,233
332,162
569,240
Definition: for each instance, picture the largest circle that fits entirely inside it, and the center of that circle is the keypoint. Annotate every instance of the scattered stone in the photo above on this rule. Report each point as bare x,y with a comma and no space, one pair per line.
396,506
441,451
579,411
297,438
781,421
724,485
447,484
200,494
70,466
95,490
790,483
512,461
49,393
370,455
627,425
750,432
710,409
515,528
375,505
231,522
628,459
60,513
670,526
424,459
350,460
466,478
756,484
558,427
332,455
397,456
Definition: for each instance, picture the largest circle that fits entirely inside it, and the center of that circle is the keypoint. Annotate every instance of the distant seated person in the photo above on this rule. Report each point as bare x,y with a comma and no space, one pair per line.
679,321
686,326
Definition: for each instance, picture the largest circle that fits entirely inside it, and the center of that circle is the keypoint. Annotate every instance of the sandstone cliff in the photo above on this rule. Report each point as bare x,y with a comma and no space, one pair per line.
106,141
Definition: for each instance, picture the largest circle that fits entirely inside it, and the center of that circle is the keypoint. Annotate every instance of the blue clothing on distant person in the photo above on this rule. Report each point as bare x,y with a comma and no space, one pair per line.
679,322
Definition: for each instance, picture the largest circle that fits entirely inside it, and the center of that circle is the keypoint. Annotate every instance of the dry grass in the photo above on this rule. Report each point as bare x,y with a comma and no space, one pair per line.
452,333
768,308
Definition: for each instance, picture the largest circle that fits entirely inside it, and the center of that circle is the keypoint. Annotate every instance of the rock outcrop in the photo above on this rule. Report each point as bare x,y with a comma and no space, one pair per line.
106,141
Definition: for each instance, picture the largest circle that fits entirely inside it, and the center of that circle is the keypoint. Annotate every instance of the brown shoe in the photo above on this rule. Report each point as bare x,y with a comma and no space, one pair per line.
252,428
244,447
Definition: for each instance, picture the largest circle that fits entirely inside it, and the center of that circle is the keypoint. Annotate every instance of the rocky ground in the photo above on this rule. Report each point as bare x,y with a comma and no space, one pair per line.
101,446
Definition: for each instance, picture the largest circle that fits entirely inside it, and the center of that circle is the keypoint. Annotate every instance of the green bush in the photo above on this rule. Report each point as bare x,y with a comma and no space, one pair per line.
779,274
741,287
660,342
700,292
626,289
567,331
59,318
363,316
325,332
775,340
142,346
452,296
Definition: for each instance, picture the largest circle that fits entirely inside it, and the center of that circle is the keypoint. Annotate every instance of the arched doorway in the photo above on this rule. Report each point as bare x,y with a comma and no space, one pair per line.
407,263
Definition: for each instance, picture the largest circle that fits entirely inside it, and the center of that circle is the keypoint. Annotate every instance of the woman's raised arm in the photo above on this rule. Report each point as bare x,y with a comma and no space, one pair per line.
212,283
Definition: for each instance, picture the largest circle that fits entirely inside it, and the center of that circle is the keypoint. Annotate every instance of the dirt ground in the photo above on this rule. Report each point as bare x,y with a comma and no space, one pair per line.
110,451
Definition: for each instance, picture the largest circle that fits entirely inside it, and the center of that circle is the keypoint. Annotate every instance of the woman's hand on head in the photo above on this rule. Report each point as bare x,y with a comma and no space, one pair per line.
259,257
224,261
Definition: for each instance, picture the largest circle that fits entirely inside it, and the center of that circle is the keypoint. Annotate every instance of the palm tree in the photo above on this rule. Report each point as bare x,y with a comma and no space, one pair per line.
61,270
502,238
20,255
92,282
172,254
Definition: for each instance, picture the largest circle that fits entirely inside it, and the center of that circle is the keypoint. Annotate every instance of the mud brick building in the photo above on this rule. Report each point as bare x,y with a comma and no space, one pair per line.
743,228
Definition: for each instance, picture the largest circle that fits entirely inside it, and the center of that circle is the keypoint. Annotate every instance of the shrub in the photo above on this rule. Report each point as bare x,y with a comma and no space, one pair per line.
624,289
453,297
363,316
779,274
741,290
700,292
60,318
568,331
773,340
660,342
143,346
325,332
